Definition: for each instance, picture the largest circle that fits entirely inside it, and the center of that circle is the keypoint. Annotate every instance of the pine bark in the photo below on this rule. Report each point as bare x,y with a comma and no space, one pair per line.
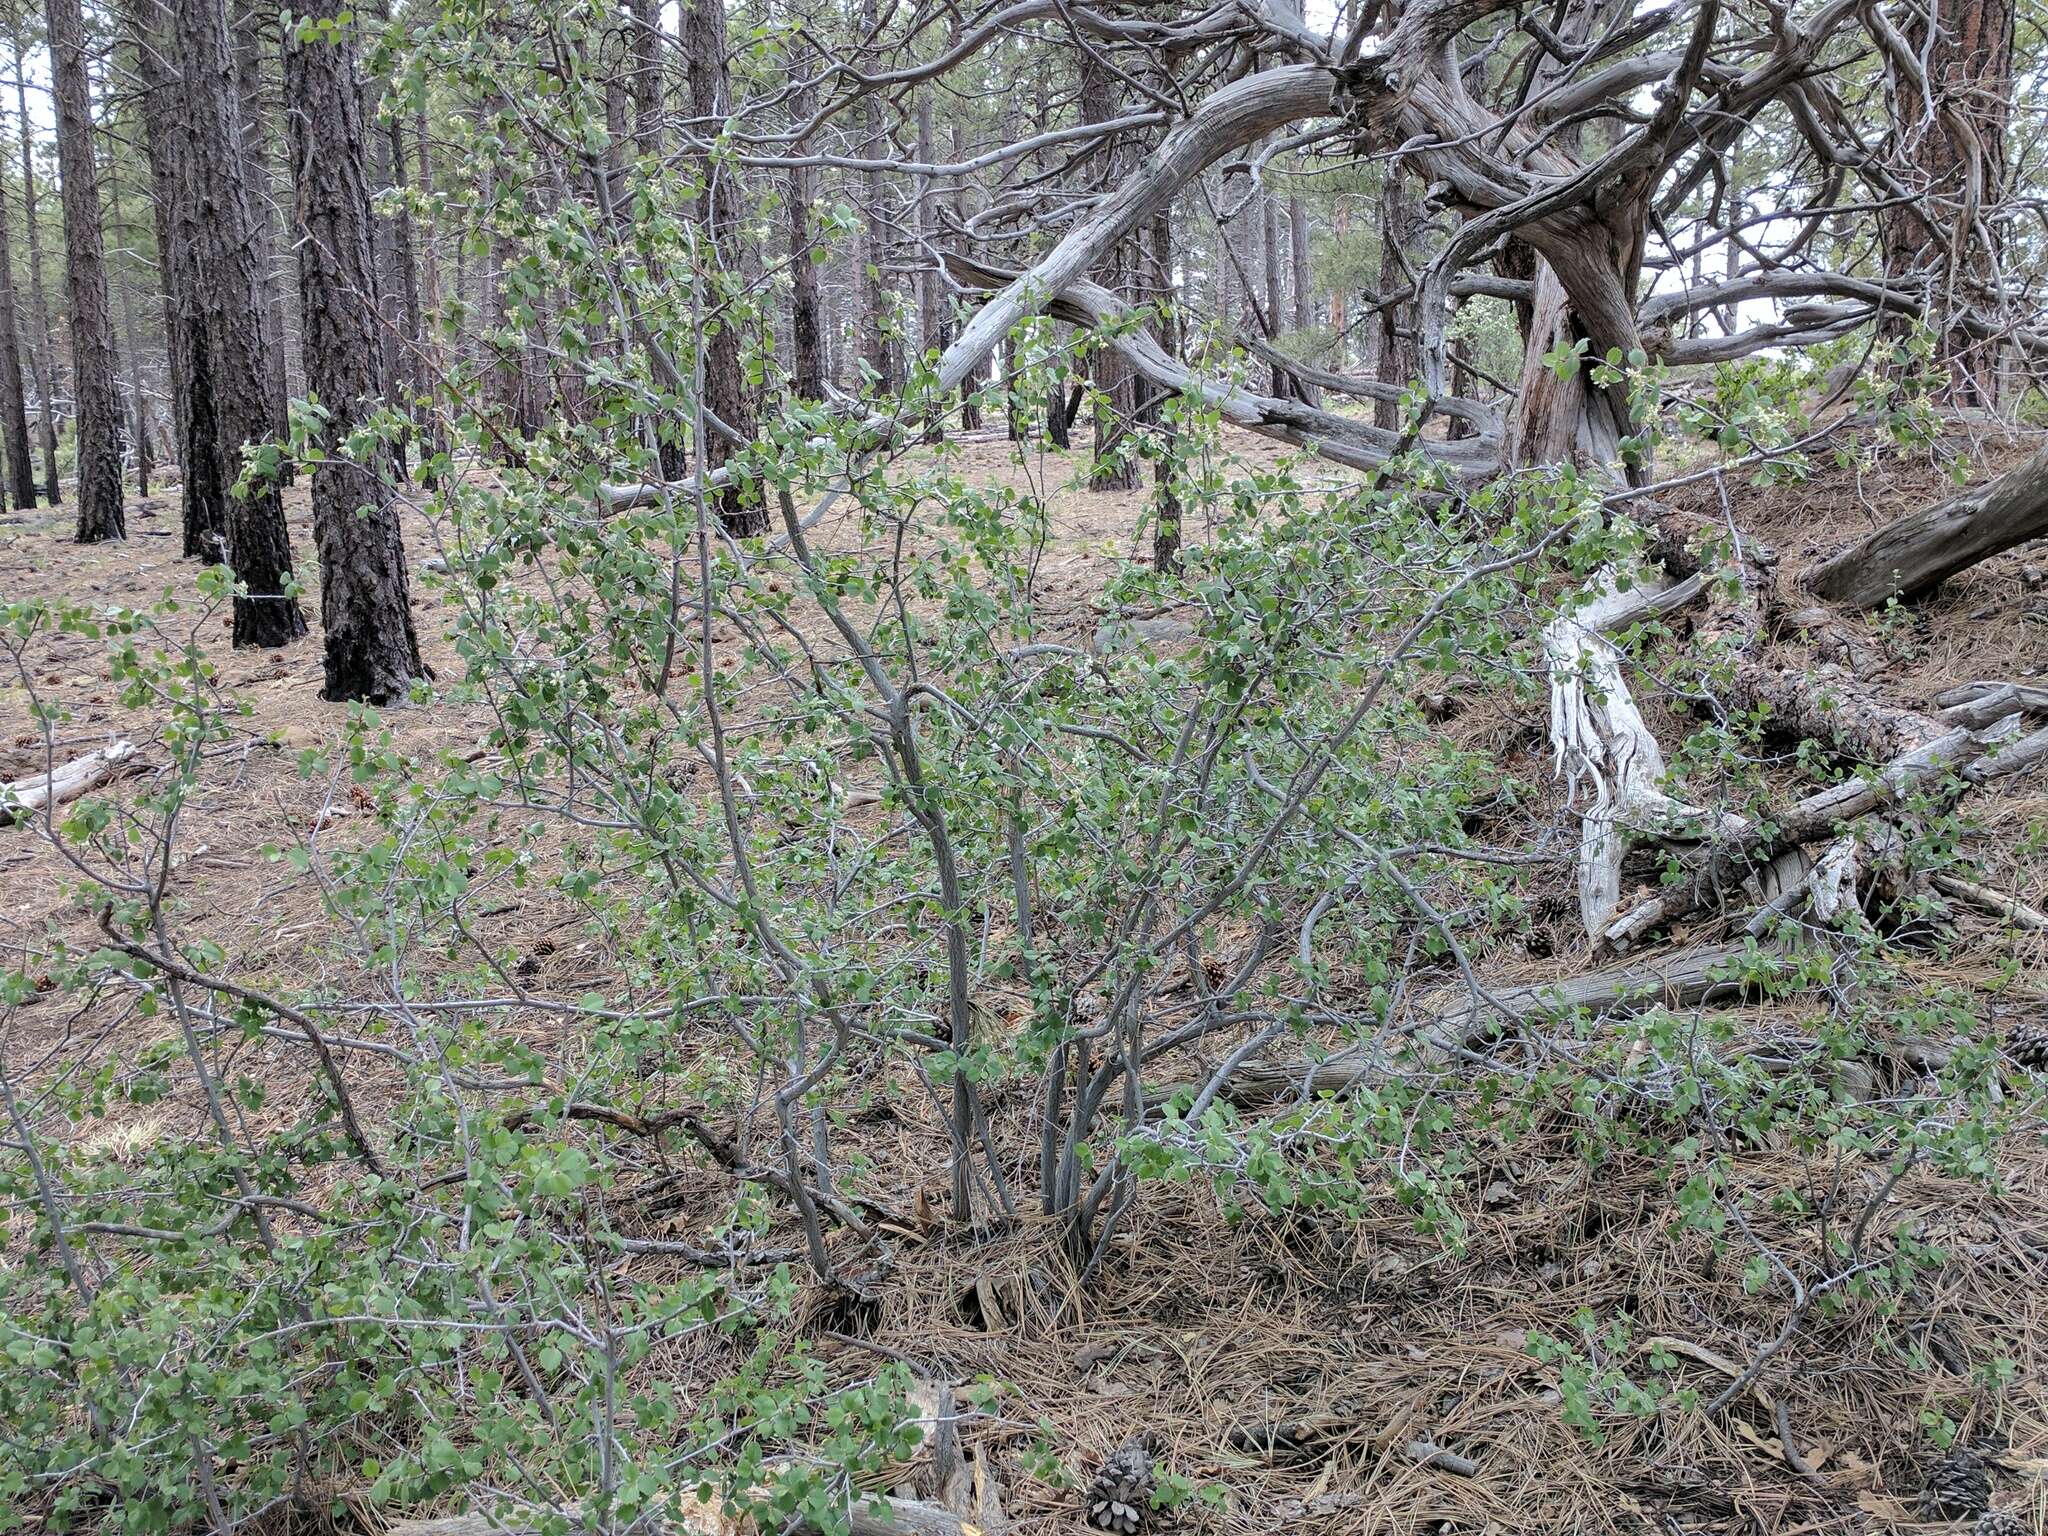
970,401
931,290
1166,510
247,43
1269,222
725,385
645,51
872,312
138,407
43,342
371,651
93,386
1304,302
21,475
202,496
806,304
225,250
1399,360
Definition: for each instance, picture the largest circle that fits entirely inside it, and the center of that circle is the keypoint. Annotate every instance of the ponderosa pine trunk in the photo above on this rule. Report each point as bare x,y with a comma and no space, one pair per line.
95,393
970,400
21,474
1304,301
370,650
246,39
725,385
806,303
1166,510
226,252
138,406
43,342
645,51
872,311
1112,469
1276,318
931,290
409,380
202,496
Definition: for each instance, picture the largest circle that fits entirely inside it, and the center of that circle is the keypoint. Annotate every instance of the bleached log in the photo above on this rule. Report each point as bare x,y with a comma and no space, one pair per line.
1605,750
1997,903
1818,816
24,797
899,1517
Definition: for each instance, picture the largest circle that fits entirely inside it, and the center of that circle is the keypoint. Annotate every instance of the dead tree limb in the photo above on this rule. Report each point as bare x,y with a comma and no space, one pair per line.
899,1517
1921,550
1341,439
22,798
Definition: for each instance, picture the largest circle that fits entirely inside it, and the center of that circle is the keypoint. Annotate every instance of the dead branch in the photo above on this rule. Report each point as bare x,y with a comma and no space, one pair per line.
22,798
1923,549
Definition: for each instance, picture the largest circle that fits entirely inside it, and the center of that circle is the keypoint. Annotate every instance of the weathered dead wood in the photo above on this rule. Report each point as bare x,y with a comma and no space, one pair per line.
24,797
2009,758
1921,550
1725,865
1604,746
899,1517
1981,703
1681,978
2008,908
1827,703
1257,1084
1341,439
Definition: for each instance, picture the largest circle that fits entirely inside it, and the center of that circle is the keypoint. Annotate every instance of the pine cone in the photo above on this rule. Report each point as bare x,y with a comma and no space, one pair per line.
1957,1487
2002,1522
1120,1495
2027,1044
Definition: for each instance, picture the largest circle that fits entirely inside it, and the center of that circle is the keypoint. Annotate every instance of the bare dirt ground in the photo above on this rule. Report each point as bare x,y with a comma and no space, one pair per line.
1198,1326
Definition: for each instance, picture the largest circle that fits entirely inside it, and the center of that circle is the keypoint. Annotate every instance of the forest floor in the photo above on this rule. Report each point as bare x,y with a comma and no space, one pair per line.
1196,1325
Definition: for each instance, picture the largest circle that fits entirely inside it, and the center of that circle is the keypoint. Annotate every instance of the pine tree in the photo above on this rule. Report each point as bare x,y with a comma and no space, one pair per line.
93,379
371,652
225,249
21,474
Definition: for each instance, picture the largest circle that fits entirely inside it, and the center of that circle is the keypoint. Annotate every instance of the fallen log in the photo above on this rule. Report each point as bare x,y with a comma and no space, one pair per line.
1981,703
898,1517
1919,551
2009,908
22,798
1829,704
1683,978
1724,865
